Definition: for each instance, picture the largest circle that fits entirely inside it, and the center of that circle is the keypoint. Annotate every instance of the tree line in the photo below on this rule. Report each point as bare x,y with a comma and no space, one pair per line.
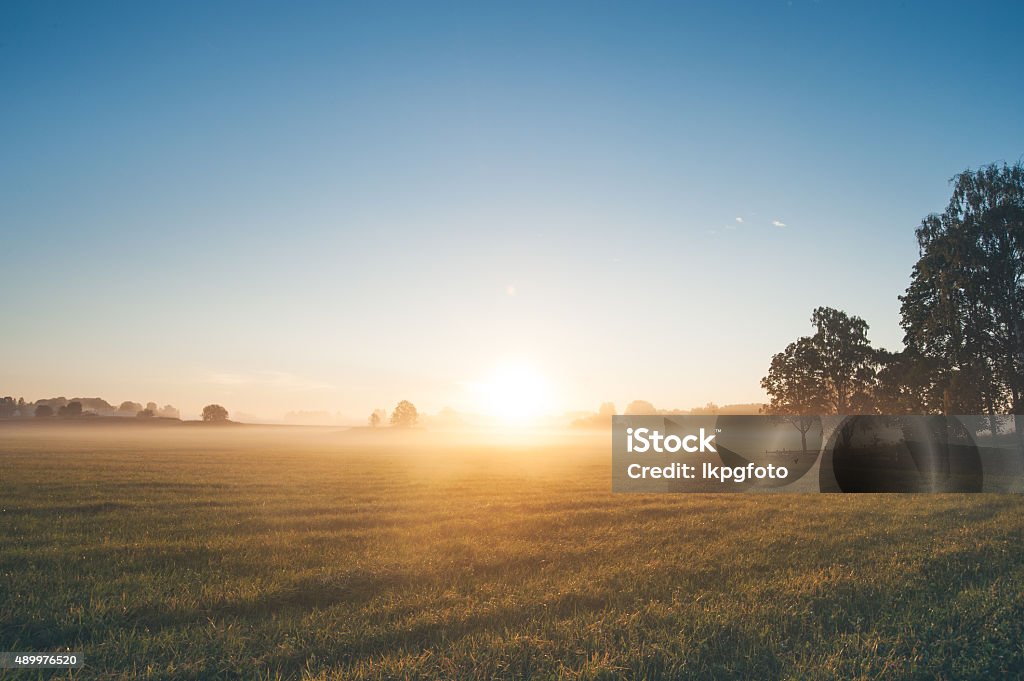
404,416
81,406
962,317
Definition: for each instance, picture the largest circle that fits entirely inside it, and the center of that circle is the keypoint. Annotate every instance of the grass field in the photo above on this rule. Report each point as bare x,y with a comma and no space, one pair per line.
197,553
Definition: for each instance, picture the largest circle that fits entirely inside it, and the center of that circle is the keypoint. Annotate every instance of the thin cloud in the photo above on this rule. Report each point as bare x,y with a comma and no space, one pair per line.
778,223
739,221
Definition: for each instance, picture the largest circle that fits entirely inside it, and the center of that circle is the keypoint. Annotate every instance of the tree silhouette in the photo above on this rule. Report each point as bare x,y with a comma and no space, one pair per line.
964,308
901,384
131,408
44,411
214,413
70,410
404,415
168,412
829,372
794,386
8,406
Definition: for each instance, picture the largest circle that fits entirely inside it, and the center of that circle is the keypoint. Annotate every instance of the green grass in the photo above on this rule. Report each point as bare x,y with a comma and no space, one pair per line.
178,553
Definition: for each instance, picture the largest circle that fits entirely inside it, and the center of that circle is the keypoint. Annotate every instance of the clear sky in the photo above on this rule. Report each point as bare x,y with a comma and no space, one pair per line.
285,206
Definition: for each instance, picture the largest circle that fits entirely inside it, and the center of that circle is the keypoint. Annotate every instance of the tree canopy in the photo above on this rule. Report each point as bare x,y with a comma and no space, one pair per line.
829,372
963,312
404,415
214,413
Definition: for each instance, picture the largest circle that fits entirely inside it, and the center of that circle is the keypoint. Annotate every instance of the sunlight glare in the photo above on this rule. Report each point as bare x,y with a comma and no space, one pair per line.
514,393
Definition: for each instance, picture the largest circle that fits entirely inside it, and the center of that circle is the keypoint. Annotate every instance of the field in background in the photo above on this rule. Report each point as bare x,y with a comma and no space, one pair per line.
196,553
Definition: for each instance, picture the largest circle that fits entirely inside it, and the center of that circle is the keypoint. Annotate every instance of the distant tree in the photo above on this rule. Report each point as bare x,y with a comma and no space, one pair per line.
640,408
964,309
375,418
606,409
151,406
8,406
44,411
70,410
168,412
214,413
146,414
709,409
53,402
131,408
404,415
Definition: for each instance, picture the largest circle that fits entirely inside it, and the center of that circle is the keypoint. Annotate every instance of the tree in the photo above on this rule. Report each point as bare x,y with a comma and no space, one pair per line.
794,387
214,413
44,411
151,406
377,417
404,415
903,385
146,414
709,409
8,406
169,412
607,409
129,408
846,360
964,308
829,372
640,408
70,410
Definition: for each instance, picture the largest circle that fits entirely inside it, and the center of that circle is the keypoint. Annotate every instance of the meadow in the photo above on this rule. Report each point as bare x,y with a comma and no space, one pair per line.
261,553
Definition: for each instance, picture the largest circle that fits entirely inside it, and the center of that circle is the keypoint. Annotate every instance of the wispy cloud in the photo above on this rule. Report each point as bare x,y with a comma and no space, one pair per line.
279,380
778,223
739,221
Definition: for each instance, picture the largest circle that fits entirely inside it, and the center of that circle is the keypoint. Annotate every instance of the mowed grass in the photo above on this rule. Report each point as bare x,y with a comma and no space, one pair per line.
191,553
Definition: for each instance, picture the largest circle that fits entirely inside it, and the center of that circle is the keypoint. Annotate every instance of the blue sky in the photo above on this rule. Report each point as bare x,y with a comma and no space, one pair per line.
337,206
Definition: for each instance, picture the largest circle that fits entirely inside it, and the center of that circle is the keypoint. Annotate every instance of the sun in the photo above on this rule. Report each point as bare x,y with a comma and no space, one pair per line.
514,393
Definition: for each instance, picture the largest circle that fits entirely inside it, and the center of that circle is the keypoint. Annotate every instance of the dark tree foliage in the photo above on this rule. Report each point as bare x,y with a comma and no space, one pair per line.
8,405
214,413
900,384
128,407
829,372
70,410
963,313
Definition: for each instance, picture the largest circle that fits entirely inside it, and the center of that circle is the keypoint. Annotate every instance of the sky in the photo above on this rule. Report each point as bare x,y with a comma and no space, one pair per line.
336,206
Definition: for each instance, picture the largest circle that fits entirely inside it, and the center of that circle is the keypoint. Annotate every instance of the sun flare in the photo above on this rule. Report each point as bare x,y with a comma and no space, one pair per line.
514,393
